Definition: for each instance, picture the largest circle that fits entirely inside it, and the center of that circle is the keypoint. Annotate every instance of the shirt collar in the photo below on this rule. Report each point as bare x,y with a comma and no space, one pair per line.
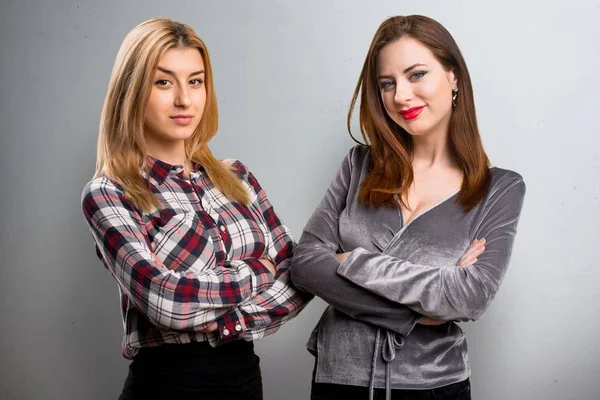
160,170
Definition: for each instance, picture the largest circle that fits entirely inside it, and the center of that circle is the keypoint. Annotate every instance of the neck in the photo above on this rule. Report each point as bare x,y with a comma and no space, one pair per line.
171,152
431,150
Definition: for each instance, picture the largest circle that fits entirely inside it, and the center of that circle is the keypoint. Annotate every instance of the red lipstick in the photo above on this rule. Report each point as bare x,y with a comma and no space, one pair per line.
411,113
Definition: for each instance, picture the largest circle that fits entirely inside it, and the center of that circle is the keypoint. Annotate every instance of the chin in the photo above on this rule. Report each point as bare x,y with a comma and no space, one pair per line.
183,134
415,129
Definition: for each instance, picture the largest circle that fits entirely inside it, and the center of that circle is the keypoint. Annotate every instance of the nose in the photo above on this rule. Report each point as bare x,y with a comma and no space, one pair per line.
182,98
403,94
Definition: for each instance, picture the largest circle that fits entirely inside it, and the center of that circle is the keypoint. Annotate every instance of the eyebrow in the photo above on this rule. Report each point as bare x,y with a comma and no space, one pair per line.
404,72
166,71
413,66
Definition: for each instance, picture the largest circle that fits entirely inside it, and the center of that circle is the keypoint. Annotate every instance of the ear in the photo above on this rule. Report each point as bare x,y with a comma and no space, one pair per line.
451,77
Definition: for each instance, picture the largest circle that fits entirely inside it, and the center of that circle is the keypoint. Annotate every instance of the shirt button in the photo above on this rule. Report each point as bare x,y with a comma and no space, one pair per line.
225,332
238,328
222,228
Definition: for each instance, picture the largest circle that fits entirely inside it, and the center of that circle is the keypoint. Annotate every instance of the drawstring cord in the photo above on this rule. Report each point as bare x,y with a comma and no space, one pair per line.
391,343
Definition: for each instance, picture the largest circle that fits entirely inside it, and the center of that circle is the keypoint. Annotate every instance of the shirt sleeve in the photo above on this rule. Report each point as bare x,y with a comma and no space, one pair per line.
264,313
446,292
314,266
178,301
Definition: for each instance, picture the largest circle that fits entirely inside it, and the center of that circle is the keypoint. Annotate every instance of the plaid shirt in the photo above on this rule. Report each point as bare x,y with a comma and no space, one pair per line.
195,261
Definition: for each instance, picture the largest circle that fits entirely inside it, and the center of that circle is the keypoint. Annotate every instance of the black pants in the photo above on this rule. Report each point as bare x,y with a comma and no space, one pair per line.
330,391
195,371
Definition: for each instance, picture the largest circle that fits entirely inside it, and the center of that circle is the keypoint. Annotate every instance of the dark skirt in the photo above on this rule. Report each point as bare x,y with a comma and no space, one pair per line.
332,391
195,371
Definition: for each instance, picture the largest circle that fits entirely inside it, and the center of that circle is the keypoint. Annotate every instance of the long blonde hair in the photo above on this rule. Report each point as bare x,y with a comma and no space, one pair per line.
121,144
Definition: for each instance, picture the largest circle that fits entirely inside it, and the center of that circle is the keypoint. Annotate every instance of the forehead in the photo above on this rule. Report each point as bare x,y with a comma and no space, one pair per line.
402,54
182,59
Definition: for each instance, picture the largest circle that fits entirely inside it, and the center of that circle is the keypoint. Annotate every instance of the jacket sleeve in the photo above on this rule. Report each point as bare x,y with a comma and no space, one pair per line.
314,266
447,292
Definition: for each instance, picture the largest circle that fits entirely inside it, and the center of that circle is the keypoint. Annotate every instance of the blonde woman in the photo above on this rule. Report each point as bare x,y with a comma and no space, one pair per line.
200,258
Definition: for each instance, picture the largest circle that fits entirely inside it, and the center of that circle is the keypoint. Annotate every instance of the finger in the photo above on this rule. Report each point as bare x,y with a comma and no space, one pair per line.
212,327
463,260
468,262
476,250
479,250
342,256
430,321
479,242
472,252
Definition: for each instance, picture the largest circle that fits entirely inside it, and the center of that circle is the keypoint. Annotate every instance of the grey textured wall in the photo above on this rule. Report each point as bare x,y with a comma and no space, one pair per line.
285,72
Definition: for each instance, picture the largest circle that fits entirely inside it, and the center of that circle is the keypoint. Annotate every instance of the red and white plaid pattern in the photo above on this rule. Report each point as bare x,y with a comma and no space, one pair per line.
195,260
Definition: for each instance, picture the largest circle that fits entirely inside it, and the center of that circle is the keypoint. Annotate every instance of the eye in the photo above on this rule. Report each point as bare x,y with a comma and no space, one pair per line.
197,82
417,75
386,85
161,82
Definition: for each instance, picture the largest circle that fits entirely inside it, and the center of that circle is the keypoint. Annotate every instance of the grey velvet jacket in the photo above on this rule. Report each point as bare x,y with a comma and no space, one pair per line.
396,273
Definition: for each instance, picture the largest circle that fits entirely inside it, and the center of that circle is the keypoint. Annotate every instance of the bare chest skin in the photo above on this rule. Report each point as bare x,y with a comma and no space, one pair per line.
430,187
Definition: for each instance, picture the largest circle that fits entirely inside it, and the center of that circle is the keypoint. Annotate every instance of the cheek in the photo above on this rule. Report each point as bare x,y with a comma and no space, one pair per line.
199,98
156,105
436,93
389,104
431,91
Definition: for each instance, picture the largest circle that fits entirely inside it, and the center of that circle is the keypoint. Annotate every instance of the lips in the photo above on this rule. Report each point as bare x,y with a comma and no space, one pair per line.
182,119
411,113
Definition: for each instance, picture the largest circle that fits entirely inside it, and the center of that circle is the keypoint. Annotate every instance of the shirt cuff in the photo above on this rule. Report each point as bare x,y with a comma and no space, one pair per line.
407,328
231,326
352,268
349,267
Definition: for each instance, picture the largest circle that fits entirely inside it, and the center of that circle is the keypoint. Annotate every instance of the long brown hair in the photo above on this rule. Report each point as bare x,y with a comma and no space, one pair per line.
121,145
391,172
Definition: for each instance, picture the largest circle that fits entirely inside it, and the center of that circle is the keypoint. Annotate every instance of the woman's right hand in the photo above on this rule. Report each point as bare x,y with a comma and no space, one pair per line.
469,258
269,265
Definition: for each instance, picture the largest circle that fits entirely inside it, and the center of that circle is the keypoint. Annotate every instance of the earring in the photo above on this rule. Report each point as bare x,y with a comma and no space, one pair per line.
454,96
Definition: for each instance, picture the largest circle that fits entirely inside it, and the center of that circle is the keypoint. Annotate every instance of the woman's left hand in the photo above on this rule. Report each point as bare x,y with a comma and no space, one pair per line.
475,250
210,328
424,320
342,256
